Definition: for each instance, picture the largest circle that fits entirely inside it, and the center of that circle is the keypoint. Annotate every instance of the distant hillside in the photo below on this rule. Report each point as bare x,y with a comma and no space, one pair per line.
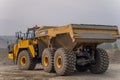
110,45
118,43
5,40
3,43
106,46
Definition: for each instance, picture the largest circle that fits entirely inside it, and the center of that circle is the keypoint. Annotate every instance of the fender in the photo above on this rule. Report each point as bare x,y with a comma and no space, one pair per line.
18,48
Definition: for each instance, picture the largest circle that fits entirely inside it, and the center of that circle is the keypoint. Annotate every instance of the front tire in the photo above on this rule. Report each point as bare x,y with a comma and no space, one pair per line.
64,61
101,62
25,61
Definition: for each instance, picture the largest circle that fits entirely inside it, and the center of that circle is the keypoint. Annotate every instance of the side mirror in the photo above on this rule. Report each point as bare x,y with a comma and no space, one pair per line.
17,35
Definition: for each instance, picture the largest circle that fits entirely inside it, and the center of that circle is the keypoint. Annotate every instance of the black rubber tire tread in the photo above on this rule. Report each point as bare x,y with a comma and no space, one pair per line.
50,53
81,68
101,62
30,63
69,61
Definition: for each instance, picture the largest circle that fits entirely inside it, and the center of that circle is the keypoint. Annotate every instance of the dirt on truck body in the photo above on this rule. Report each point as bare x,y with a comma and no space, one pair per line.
61,49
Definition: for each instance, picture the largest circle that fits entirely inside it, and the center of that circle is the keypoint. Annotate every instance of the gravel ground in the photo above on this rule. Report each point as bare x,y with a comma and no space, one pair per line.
4,57
114,55
13,73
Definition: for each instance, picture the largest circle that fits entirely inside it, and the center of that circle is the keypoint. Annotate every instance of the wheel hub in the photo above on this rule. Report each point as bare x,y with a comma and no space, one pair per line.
23,60
46,62
59,61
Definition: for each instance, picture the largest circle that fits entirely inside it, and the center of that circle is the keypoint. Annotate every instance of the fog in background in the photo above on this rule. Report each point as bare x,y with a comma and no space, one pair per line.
16,15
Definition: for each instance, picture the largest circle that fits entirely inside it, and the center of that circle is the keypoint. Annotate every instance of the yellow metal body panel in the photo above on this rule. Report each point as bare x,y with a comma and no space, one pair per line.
23,44
61,30
10,56
54,31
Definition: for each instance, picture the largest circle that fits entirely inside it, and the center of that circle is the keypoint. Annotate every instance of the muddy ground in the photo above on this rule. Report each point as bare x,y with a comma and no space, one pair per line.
9,71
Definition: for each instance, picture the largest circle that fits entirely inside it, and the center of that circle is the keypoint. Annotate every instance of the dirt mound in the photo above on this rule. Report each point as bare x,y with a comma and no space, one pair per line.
4,57
114,55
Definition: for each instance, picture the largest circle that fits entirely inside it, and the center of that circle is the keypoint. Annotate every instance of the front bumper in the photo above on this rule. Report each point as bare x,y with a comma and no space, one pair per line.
10,56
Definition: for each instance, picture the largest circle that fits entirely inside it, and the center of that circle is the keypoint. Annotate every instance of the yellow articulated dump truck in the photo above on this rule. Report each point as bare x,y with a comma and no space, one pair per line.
64,49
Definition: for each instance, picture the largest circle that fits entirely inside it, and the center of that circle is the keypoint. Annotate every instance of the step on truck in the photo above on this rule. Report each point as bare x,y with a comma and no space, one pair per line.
64,49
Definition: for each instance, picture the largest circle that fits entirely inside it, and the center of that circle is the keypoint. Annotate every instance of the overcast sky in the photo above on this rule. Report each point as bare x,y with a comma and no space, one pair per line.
16,15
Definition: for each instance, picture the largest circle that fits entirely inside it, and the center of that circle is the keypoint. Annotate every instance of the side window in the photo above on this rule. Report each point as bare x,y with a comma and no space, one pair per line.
31,34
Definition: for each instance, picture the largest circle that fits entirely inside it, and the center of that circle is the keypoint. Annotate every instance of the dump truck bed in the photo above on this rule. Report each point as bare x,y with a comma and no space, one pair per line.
82,33
95,33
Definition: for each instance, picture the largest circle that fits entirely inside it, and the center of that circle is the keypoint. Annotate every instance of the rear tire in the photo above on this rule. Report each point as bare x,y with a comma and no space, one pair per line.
64,61
101,62
25,61
47,60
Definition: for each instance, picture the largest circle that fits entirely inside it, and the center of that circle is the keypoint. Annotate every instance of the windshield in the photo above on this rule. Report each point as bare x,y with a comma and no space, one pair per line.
30,34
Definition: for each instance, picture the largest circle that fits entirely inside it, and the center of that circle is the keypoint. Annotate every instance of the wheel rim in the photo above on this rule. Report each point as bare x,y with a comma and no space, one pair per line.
59,61
23,60
46,62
